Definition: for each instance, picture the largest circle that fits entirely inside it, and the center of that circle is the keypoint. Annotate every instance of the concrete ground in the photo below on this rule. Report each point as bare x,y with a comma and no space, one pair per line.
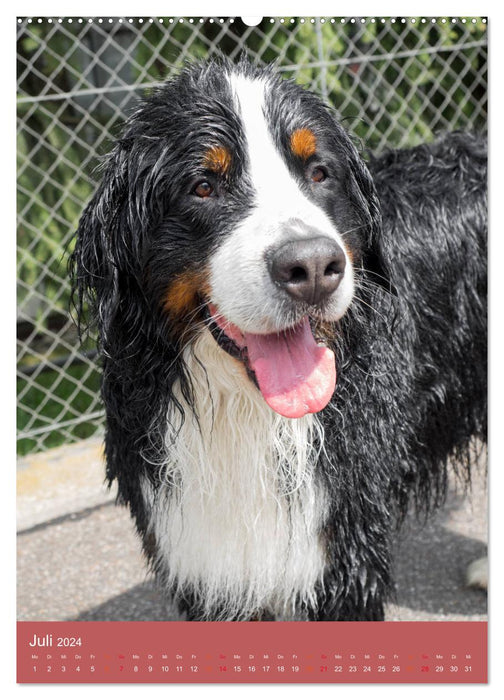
79,557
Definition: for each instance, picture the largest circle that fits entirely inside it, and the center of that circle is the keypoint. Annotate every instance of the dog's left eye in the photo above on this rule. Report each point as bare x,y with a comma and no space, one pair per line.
203,189
318,174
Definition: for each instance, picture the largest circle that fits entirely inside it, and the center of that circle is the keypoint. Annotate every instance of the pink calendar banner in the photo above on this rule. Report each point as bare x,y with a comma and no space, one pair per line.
251,652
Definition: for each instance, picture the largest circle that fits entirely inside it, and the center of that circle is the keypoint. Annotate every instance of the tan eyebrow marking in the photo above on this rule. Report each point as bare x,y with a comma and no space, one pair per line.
217,159
303,143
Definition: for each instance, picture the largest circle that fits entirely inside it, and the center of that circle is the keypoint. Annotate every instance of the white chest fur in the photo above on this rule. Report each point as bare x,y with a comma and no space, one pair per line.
239,518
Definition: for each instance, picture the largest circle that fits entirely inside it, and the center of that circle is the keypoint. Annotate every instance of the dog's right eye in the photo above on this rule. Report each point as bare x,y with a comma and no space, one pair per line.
203,189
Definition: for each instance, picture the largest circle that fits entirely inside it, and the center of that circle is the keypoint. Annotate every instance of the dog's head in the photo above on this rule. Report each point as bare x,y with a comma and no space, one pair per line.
235,203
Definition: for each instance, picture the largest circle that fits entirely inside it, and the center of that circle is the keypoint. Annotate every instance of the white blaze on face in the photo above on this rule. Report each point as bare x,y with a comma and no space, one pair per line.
241,285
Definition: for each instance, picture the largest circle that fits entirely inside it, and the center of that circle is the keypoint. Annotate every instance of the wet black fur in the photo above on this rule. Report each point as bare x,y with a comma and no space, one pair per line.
411,351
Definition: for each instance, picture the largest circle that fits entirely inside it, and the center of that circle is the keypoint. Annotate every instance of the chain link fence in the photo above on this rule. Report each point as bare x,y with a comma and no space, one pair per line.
394,82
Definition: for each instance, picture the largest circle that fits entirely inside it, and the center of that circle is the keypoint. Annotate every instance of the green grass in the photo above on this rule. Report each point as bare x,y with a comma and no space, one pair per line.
64,389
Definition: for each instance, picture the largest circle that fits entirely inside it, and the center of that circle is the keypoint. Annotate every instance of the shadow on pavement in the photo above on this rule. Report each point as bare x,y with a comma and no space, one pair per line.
432,558
141,603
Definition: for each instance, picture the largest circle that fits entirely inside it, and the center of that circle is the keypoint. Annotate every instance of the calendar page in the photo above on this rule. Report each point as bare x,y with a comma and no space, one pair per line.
251,350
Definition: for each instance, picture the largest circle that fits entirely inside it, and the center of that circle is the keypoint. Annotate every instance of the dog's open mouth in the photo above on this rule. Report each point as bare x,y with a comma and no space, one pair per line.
294,373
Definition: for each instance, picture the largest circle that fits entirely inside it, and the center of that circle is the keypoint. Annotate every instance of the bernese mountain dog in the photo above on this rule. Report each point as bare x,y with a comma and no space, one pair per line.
293,343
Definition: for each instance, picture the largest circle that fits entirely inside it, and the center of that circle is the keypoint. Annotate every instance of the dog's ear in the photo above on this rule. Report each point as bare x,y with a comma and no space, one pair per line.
105,246
374,258
376,268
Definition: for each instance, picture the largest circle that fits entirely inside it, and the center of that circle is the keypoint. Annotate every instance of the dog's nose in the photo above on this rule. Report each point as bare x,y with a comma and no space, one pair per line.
309,270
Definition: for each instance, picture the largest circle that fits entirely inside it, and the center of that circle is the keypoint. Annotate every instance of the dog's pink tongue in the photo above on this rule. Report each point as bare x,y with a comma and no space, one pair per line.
295,375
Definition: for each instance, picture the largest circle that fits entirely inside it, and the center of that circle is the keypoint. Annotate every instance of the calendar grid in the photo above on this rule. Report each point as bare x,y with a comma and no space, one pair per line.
252,652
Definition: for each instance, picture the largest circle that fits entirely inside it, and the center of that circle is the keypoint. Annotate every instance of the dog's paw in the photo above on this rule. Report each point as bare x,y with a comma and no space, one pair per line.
477,573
